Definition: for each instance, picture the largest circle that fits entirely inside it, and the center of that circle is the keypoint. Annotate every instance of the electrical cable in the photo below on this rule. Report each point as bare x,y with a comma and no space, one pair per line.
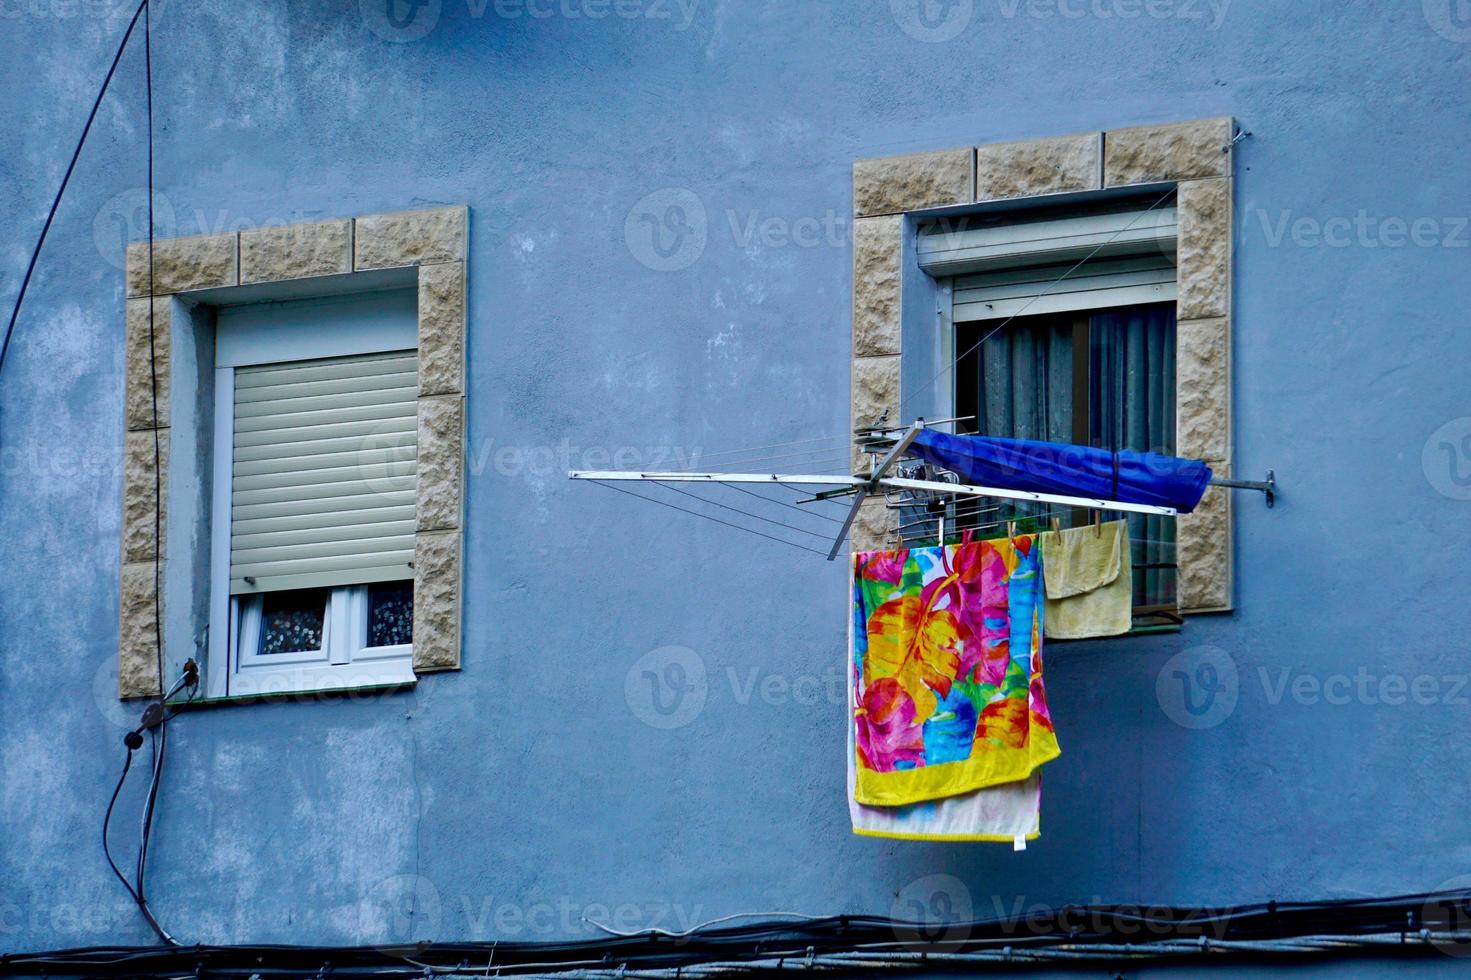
107,819
158,737
65,180
1424,924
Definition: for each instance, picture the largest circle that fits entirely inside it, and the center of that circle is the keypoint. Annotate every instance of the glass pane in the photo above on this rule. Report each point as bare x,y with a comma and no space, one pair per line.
292,622
1132,390
390,614
1020,378
1110,385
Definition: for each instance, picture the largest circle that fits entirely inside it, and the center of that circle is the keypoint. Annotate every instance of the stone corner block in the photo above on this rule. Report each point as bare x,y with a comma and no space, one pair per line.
139,497
1174,151
1203,550
442,313
441,462
137,656
1046,166
319,248
874,529
184,264
892,185
875,390
1203,389
138,383
1204,248
404,238
437,600
877,256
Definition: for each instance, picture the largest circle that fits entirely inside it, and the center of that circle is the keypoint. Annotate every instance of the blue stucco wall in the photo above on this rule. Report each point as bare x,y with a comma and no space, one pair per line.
530,790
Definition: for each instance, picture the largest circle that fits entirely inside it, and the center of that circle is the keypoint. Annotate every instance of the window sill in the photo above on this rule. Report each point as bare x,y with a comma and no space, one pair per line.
1135,632
345,693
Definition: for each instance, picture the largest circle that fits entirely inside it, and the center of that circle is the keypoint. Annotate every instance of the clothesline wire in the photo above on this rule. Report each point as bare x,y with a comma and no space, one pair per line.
686,510
950,365
744,513
782,503
804,491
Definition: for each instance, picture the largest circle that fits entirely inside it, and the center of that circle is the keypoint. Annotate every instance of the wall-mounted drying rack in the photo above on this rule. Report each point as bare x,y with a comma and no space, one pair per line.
887,448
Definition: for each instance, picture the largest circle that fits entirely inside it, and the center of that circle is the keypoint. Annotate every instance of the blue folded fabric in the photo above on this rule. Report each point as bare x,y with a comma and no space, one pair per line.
1054,467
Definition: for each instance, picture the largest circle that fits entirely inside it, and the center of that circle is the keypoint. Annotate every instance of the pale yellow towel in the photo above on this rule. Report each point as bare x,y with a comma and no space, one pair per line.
1089,580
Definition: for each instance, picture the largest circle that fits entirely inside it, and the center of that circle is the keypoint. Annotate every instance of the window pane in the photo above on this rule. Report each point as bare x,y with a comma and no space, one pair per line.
1132,388
1021,382
292,622
390,614
1105,379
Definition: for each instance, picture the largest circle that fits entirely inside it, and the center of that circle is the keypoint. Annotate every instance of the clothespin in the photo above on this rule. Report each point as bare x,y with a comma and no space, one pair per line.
1010,530
1098,523
1056,524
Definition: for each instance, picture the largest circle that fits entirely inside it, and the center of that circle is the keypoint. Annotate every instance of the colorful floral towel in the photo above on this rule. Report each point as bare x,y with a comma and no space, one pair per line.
1006,812
947,670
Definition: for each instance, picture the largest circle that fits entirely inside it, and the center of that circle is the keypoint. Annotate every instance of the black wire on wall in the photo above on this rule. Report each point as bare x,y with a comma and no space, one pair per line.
65,180
1425,924
158,733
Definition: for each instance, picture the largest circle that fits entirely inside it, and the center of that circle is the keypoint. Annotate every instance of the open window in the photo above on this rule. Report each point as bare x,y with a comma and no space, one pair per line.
1065,332
314,507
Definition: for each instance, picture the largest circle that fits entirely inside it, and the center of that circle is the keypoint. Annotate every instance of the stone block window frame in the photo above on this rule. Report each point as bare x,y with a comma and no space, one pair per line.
894,303
422,249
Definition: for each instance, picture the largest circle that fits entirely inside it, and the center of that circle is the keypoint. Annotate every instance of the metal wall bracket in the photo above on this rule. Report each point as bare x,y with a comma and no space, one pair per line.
1267,486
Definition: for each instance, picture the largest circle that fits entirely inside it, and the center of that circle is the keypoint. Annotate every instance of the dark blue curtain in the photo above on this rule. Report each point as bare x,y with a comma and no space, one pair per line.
1024,389
1131,395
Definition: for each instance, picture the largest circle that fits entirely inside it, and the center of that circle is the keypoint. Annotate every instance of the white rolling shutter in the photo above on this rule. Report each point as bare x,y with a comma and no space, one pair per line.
323,473
1099,284
959,246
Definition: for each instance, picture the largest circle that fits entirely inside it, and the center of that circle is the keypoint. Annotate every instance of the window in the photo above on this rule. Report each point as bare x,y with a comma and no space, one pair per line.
1065,332
1104,379
314,499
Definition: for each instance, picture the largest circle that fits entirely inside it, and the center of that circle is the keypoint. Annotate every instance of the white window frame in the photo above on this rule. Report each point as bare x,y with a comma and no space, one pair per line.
263,334
344,659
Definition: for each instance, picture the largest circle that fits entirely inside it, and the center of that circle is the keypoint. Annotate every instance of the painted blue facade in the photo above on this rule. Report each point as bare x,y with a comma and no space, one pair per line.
541,785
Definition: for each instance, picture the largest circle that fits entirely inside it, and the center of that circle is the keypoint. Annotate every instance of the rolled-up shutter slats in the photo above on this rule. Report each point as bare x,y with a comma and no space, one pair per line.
323,481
